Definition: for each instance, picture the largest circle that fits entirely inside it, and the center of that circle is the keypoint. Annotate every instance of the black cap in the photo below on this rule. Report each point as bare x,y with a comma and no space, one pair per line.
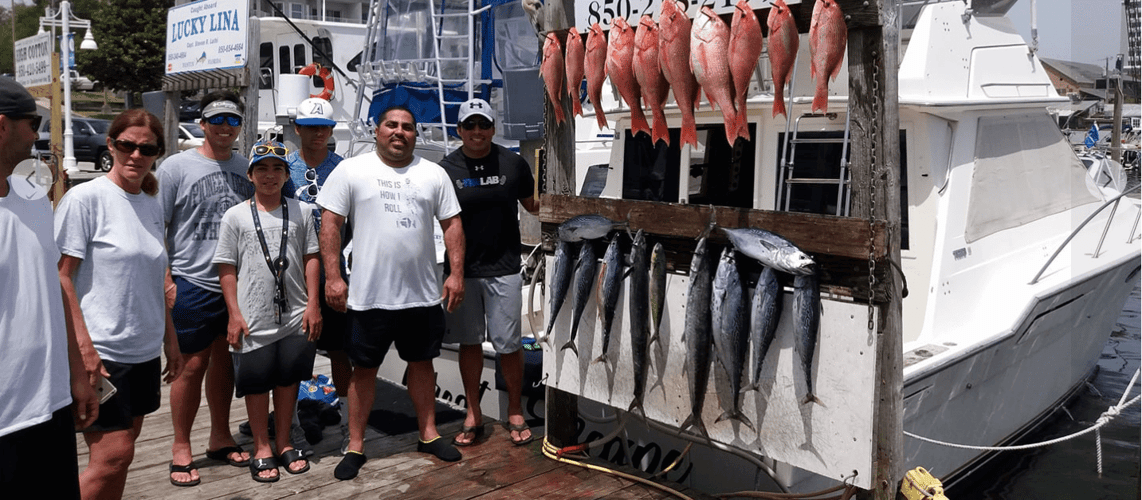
14,98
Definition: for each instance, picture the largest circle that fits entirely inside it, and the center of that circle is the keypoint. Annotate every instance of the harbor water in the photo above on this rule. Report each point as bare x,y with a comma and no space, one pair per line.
1069,470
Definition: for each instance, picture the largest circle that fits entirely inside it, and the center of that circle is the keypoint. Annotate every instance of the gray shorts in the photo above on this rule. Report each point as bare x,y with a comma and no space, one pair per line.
491,309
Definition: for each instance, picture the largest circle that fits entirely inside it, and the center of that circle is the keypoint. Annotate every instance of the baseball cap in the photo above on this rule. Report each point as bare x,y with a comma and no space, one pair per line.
14,98
221,107
315,111
267,149
476,107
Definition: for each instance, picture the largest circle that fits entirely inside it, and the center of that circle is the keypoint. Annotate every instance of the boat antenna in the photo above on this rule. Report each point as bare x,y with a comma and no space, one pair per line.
1034,29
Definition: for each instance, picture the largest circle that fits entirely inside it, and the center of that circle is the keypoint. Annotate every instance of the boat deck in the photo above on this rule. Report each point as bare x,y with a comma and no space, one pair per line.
495,469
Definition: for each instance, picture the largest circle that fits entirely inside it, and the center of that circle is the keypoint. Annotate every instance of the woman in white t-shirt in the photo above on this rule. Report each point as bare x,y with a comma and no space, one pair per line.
110,234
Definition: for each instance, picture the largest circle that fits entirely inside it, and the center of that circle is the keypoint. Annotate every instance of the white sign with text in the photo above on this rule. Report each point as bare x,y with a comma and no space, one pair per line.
206,35
33,60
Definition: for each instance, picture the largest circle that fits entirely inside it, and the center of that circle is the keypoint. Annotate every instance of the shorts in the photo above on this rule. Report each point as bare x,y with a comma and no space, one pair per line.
136,394
280,364
41,458
417,333
199,316
491,309
334,327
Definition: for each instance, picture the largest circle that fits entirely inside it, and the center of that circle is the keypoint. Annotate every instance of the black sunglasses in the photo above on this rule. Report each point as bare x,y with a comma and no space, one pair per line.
36,120
472,124
128,147
232,120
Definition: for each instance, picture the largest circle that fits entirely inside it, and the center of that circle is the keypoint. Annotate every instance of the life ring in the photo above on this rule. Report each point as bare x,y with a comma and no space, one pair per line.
325,74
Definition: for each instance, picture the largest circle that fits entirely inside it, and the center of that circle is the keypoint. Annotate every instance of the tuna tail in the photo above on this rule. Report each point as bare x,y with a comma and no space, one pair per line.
812,398
694,420
636,403
736,415
821,97
571,344
601,359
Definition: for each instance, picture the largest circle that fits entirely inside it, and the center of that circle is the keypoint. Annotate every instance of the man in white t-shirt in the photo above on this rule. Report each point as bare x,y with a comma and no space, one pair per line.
393,199
39,361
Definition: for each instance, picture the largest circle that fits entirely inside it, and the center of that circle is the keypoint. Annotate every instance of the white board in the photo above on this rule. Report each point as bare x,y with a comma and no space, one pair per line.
834,440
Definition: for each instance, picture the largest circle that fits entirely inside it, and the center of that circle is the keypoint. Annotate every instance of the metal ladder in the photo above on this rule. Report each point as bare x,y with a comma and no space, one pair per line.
789,149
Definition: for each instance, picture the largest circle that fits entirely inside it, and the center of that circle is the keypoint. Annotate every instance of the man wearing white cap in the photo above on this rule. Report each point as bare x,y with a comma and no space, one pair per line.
489,179
196,187
309,166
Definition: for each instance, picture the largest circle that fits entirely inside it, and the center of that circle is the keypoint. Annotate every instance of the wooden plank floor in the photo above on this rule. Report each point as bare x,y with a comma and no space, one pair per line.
492,470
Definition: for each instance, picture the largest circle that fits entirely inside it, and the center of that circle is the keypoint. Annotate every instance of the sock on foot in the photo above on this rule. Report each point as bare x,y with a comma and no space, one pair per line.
349,466
441,448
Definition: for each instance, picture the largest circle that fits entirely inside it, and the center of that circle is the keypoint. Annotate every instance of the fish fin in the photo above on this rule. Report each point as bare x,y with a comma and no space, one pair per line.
600,117
745,420
778,105
694,421
636,403
659,132
743,121
576,104
601,359
638,121
812,398
821,97
689,135
751,387
571,344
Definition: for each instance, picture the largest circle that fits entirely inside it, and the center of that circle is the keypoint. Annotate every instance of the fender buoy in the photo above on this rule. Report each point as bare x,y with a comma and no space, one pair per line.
325,74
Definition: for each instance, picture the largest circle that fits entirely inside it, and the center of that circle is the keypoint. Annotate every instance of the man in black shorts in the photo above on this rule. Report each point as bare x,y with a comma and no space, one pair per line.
393,199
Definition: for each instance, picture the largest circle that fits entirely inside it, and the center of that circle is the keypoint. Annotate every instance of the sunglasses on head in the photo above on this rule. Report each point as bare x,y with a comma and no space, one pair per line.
265,149
231,120
472,124
36,119
128,147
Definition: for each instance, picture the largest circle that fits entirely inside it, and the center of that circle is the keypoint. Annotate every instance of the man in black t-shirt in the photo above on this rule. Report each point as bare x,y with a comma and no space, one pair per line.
489,179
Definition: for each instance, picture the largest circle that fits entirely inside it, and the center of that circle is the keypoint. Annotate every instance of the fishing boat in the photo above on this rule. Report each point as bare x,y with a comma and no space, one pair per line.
1017,260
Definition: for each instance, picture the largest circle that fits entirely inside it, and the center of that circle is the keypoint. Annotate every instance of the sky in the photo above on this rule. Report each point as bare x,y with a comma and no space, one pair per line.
1085,31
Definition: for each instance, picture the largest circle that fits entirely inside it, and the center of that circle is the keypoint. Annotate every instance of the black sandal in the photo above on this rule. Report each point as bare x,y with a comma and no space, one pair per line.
223,455
290,456
260,464
188,468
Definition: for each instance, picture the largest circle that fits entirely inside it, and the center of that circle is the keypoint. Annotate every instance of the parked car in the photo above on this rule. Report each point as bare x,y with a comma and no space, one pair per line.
190,136
89,140
188,111
80,82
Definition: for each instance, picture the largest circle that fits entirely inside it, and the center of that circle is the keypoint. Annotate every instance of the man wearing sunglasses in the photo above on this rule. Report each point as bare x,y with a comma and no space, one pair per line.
309,166
41,361
489,179
196,187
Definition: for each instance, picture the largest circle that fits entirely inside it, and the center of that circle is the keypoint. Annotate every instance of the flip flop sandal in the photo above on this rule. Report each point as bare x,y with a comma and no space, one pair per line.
260,464
478,433
519,429
223,455
188,468
290,456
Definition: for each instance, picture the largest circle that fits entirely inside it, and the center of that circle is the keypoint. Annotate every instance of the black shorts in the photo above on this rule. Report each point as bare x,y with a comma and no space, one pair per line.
417,333
40,460
199,315
280,364
136,394
334,328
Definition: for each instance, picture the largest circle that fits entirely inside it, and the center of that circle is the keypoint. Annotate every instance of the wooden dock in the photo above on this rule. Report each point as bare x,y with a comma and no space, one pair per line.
493,470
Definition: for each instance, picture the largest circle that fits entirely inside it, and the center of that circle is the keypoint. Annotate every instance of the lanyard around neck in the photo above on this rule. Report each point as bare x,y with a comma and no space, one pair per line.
279,265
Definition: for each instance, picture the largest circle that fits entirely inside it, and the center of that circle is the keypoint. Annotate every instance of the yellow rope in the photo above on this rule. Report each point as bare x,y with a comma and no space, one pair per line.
549,451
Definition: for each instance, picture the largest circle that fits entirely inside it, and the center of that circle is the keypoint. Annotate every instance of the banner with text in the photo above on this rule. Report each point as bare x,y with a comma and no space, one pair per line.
207,35
33,60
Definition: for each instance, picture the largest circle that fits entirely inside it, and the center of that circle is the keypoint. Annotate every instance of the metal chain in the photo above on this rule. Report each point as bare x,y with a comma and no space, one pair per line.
873,163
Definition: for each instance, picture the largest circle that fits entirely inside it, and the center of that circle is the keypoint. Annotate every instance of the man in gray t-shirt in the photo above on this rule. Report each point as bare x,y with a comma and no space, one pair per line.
196,188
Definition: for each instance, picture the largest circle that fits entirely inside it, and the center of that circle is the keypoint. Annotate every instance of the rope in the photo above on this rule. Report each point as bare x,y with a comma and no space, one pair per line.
1103,419
550,451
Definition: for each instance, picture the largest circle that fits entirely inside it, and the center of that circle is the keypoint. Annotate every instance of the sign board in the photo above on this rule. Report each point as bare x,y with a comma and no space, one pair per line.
33,60
604,12
206,35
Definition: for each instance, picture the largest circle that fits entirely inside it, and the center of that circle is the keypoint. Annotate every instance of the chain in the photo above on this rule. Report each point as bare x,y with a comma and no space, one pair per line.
873,163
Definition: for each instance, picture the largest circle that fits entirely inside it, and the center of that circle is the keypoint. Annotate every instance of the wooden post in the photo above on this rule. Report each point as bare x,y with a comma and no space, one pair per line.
559,149
873,59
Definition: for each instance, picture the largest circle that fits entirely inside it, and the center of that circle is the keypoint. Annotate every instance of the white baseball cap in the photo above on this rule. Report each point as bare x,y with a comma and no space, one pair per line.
474,107
315,111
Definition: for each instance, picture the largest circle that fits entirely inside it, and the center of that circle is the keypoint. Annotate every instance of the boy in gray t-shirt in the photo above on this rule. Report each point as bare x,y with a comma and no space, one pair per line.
268,268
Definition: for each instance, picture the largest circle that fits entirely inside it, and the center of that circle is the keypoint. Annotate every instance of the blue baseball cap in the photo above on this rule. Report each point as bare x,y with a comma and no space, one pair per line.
267,149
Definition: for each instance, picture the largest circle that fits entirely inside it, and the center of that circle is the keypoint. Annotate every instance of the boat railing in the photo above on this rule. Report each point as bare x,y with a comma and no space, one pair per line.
1113,203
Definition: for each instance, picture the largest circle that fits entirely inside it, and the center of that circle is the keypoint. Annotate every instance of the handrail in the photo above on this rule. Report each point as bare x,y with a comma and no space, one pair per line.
1113,201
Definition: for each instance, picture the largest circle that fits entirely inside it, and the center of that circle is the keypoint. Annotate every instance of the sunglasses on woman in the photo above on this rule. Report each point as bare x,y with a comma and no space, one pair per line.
472,124
263,149
231,120
128,147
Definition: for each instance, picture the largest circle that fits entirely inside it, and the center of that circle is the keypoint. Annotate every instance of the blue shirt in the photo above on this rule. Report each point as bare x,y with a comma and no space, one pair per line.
297,187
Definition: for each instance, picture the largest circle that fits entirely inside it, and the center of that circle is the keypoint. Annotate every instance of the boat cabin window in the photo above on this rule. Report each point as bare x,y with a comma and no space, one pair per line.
814,178
266,65
323,51
283,60
719,174
1024,170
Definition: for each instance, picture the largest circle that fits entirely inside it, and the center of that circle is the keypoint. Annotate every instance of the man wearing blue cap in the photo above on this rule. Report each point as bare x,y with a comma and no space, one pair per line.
309,166
42,370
